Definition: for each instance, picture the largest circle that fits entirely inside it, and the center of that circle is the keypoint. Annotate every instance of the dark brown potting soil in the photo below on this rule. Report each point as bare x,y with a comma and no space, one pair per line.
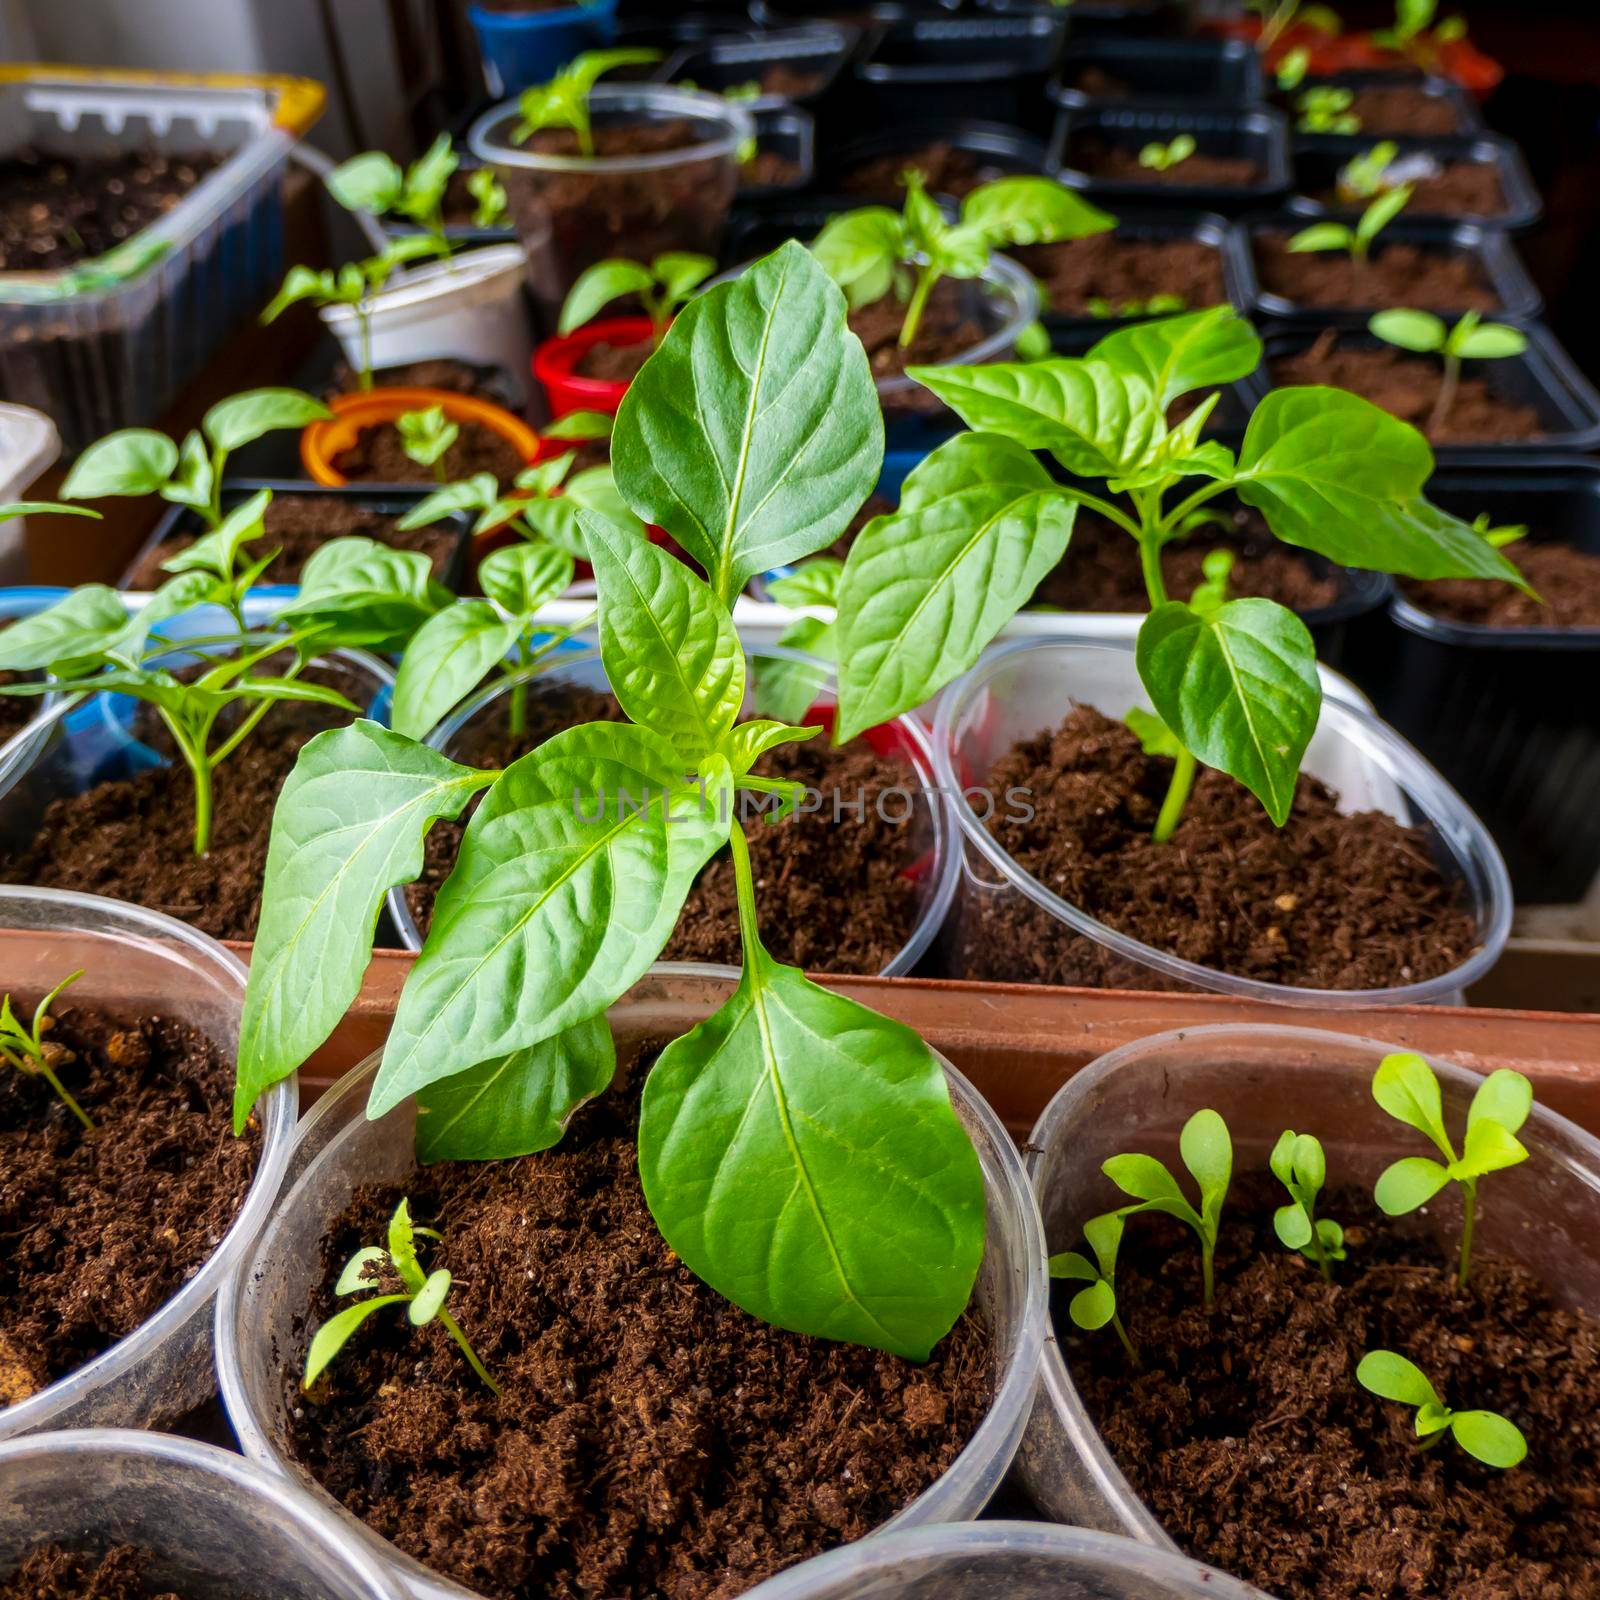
1248,1436
1395,274
1329,901
769,169
1460,189
1567,580
946,329
1105,158
120,1573
1407,387
614,363
833,895
378,456
652,1440
1098,84
439,372
99,1229
792,83
945,168
133,838
56,210
1404,109
298,525
1119,270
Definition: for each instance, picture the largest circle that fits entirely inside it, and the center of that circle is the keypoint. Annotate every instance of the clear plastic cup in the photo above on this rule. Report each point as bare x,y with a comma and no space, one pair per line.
260,1315
137,961
1000,1561
1023,689
637,206
932,825
216,1525
19,751
1263,1080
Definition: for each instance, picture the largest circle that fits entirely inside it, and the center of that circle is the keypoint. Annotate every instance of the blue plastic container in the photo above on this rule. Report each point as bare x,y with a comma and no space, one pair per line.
520,48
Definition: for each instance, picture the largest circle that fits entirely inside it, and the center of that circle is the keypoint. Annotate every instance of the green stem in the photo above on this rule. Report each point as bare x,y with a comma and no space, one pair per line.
1103,508
580,126
519,695
243,731
1127,1343
1469,1218
1171,520
745,887
1318,1253
926,279
200,771
1183,774
453,1328
364,317
1155,585
66,1099
1207,1270
218,462
1447,395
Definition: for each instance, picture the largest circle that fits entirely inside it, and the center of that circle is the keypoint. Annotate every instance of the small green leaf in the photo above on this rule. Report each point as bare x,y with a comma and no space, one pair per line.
367,594
1026,210
1407,1184
1070,1265
1493,341
1489,1437
816,583
355,1279
133,461
218,552
861,251
1143,1177
1321,236
1432,1418
745,744
1505,1097
1207,1152
367,182
235,422
1092,1308
1410,330
1392,1377
426,1303
476,493
41,508
1292,1226
447,658
1154,736
193,478
1178,355
80,627
597,286
335,1333
1405,1086
1489,1148
580,425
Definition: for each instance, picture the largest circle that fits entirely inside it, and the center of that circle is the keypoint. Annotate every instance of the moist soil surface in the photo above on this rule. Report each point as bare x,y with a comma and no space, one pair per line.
438,372
1459,189
1106,267
945,168
1407,387
652,1440
1248,1436
1568,582
946,329
832,896
1103,158
298,525
56,211
133,838
98,1230
1396,110
1395,274
52,1573
1329,901
378,456
770,169
614,363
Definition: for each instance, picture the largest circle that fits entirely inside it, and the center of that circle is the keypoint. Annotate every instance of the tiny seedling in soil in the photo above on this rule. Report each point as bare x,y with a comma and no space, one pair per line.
1158,305
1406,1087
1493,1439
563,102
1327,110
1472,339
663,287
424,1295
1207,1153
1414,34
1502,537
1092,1308
425,436
491,207
1356,242
30,1052
374,183
876,251
1298,1163
1160,157
1292,69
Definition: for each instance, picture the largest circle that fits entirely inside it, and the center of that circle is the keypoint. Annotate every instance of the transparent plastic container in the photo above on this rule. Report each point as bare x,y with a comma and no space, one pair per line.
935,864
108,343
1000,1561
136,961
1263,1080
260,1315
1022,689
217,1526
637,206
19,751
29,444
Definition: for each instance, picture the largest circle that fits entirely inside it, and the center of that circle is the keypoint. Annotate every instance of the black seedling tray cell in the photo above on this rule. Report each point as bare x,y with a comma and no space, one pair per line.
1224,71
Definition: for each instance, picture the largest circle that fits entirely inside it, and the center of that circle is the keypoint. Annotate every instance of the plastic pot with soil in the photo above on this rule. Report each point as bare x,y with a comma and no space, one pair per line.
785,158
125,1514
662,179
1276,1463
17,713
953,156
800,66
1096,19
863,880
1535,401
1227,72
1381,888
1379,105
769,1420
1448,268
590,369
118,1235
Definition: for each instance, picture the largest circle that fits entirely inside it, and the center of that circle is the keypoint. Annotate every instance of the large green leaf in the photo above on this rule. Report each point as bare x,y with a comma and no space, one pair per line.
131,461
801,1155
516,1103
447,659
1097,422
78,627
753,434
367,594
234,422
218,552
668,646
568,883
1175,355
1239,686
522,577
349,825
1027,210
860,250
926,589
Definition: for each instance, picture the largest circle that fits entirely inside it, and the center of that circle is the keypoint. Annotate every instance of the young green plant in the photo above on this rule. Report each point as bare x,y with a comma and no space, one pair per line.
423,1294
1158,305
563,102
751,437
425,436
29,1052
1472,339
375,183
1094,1307
1356,242
1414,34
1298,1163
1374,172
1278,15
875,252
1160,157
1407,1088
663,287
1493,1439
1326,109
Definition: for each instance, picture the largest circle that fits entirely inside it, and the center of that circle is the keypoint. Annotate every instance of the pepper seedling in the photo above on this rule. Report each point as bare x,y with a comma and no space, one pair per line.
1158,305
423,1295
1407,1088
29,1052
1160,157
1472,339
1093,1308
1414,34
875,251
563,102
376,184
1298,1163
425,436
1207,1153
663,286
1356,242
1326,109
1292,69
981,522
1493,1439
1502,537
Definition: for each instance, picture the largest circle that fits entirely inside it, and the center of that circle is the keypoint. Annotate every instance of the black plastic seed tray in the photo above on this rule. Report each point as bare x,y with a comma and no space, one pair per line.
1227,71
999,151
821,51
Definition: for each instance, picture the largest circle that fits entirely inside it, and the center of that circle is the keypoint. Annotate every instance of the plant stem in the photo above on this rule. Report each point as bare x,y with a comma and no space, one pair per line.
1155,586
1207,1272
1183,774
1127,1343
453,1328
1318,1253
519,695
926,279
1103,508
1447,395
200,771
364,317
218,461
1469,1218
66,1099
1176,515
745,887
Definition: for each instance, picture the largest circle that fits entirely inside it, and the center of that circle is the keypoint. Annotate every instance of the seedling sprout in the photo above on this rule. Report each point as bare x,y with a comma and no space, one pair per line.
1493,1439
31,1053
1298,1163
1160,157
1472,339
662,287
1096,1306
